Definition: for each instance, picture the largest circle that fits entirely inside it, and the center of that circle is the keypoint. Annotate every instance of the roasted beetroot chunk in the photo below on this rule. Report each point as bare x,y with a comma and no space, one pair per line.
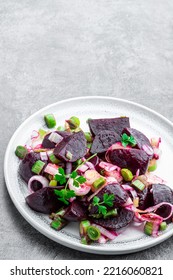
44,201
120,197
103,140
145,199
123,219
133,159
75,212
26,165
115,124
162,193
140,138
72,147
51,145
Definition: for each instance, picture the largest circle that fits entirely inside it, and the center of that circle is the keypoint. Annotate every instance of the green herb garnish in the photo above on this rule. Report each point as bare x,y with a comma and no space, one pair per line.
77,179
65,194
60,177
128,140
107,201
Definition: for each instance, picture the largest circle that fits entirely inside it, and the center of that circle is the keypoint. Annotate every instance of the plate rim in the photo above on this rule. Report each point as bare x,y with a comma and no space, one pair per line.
45,231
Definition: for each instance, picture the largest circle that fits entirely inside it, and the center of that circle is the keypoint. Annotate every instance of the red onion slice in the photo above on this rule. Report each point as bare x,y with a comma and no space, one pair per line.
155,142
102,239
110,180
109,166
35,135
29,148
39,178
82,168
90,165
37,147
156,207
127,187
154,179
157,153
148,150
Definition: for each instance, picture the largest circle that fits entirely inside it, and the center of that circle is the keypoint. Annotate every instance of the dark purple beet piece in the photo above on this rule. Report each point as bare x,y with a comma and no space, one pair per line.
44,201
103,140
112,124
75,212
123,219
145,199
26,165
140,138
120,196
162,193
51,145
132,159
75,145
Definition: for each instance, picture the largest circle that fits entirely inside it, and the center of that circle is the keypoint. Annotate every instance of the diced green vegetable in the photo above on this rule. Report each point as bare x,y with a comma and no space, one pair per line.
77,129
39,150
58,224
74,122
148,228
58,214
54,159
21,152
126,174
88,137
60,128
83,227
93,233
79,162
61,212
50,120
38,166
163,226
84,240
89,145
53,183
99,182
152,165
42,132
111,213
138,185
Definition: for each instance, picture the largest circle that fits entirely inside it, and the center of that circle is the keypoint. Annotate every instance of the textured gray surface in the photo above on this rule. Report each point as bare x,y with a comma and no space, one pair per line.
55,49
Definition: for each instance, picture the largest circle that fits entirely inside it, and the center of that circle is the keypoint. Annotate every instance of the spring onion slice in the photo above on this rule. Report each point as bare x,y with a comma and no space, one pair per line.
107,233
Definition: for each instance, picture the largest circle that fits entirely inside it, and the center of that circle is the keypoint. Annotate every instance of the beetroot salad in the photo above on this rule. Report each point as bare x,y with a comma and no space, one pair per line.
102,179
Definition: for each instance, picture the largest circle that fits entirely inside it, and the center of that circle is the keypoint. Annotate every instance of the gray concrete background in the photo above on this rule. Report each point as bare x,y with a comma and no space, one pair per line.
55,49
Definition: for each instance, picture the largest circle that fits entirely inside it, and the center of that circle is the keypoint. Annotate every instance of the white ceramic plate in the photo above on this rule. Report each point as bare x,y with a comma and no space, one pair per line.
141,118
